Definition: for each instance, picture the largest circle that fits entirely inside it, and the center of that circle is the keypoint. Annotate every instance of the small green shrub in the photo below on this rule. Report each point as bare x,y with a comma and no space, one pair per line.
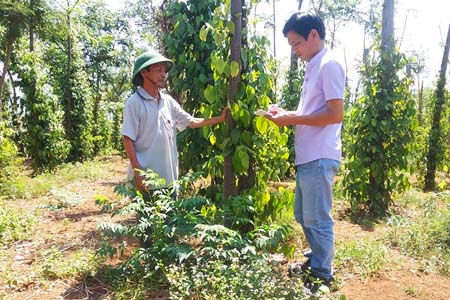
184,239
423,231
15,225
62,199
216,279
363,257
9,162
55,266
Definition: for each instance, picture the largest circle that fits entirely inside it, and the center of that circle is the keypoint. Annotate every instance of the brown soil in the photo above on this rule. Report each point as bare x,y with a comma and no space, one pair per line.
400,279
74,228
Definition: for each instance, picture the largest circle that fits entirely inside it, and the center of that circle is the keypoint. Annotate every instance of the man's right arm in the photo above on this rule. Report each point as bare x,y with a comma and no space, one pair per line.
128,145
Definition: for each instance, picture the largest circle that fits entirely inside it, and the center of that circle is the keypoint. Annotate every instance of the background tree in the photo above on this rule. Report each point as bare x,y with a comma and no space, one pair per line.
379,130
14,16
180,38
294,58
105,43
45,137
336,13
198,39
437,134
417,66
259,146
70,81
229,184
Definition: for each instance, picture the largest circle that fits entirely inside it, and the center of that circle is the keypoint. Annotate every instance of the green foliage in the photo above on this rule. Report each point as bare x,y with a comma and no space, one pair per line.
270,238
191,74
264,143
439,134
216,279
188,232
9,161
197,37
63,55
290,97
15,225
106,50
57,67
423,231
379,138
46,140
291,90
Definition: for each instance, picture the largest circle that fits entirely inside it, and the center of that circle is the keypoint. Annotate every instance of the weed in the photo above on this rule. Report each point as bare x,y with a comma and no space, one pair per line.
63,199
25,186
425,234
410,291
363,257
15,225
219,280
56,266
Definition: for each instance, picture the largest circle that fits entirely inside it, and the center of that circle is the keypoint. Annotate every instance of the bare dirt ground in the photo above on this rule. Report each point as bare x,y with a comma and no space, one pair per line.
74,228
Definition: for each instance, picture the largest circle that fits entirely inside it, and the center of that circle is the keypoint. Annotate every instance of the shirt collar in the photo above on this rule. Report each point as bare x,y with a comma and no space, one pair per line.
143,93
316,58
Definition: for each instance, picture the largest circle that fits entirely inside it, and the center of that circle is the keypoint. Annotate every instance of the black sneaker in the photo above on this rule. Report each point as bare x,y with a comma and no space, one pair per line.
299,269
314,283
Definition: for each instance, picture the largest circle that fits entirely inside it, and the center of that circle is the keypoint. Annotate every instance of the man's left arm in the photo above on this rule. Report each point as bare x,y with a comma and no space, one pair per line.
334,113
201,122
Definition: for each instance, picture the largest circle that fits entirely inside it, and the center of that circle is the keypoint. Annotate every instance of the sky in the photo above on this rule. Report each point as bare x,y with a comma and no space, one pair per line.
421,25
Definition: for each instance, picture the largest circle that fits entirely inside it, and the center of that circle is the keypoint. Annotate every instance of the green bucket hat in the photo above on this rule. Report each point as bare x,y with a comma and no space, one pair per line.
149,58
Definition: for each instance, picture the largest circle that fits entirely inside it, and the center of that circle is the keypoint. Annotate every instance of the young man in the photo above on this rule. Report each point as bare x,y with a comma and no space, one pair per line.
150,120
317,121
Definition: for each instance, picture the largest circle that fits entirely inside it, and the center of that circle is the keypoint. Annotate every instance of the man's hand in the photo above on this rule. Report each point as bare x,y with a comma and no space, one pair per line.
200,122
278,115
276,110
333,114
139,181
223,115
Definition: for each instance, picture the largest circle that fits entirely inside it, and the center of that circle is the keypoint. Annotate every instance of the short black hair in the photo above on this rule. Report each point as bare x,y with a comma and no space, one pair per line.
138,80
303,24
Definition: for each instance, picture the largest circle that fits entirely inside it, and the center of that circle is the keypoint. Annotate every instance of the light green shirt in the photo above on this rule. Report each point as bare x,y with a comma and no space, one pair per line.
152,126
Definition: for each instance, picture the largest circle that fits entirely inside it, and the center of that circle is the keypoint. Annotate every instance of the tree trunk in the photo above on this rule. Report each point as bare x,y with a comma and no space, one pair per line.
246,182
274,28
420,100
95,114
435,146
9,46
294,58
229,183
385,94
32,26
68,86
16,113
387,32
33,114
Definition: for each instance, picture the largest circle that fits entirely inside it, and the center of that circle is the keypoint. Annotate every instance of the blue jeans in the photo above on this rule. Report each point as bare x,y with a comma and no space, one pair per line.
312,209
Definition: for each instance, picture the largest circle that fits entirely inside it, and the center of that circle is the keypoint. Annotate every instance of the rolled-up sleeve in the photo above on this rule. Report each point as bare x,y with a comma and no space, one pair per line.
333,81
130,124
182,118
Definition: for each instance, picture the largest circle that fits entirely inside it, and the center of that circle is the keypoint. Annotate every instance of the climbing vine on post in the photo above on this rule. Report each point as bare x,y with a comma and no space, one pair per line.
379,138
204,69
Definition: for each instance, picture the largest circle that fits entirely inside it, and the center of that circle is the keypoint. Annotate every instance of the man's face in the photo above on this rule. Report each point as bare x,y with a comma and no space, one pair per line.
156,74
303,48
